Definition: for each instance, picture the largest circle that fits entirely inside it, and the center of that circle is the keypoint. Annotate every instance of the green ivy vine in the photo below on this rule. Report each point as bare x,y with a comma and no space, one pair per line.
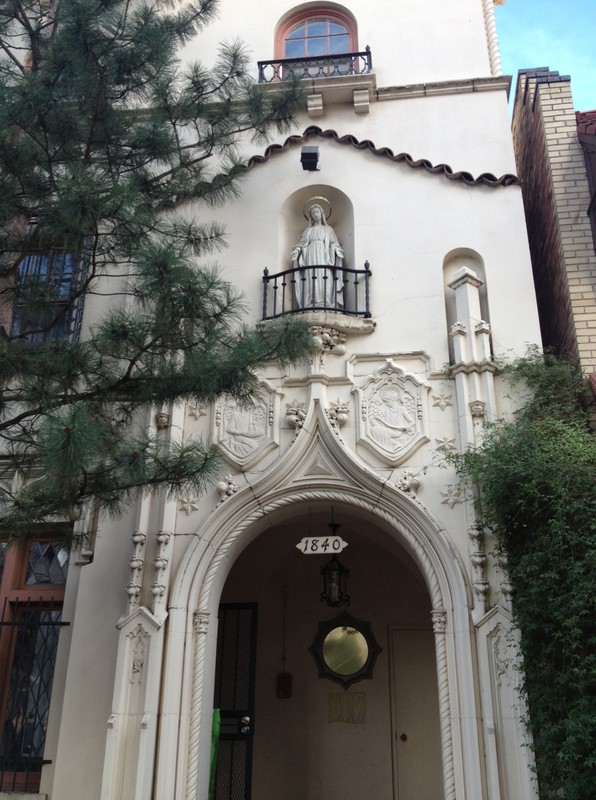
535,478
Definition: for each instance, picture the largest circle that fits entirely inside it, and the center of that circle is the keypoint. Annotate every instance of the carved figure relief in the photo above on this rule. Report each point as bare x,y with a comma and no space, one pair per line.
390,421
318,252
138,645
391,414
246,432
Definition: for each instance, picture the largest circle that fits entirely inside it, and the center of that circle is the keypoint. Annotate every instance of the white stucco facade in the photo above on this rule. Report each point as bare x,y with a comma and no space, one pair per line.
450,288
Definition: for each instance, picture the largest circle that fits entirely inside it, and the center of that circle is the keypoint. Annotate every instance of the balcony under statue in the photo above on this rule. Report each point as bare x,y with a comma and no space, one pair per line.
318,280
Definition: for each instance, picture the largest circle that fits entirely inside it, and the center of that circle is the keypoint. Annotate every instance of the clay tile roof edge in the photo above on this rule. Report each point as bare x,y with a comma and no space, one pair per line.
485,179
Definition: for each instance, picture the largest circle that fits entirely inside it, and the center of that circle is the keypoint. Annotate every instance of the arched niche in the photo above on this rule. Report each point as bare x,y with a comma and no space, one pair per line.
294,219
454,261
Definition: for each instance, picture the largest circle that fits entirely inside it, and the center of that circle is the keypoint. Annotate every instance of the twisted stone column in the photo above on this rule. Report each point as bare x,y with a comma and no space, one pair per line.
439,617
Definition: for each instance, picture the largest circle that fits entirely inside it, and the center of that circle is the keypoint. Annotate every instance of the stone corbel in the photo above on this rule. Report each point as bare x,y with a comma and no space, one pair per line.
361,101
314,105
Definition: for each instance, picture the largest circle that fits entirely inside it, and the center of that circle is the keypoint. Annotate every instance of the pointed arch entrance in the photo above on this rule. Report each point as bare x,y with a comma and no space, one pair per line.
378,737
393,537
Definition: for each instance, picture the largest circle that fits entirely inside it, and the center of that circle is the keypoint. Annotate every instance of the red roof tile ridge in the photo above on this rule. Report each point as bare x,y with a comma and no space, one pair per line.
486,178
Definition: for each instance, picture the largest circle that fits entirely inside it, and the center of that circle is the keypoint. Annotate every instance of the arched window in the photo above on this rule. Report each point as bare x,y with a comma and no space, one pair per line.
316,31
317,37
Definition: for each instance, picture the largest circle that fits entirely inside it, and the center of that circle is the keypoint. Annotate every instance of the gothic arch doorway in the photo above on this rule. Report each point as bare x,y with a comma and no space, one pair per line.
396,547
311,737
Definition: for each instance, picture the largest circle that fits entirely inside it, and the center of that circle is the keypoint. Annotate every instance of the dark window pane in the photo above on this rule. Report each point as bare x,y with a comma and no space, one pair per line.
47,563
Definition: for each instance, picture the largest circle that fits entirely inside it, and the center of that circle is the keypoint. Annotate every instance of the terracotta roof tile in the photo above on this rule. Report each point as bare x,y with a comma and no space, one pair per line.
486,178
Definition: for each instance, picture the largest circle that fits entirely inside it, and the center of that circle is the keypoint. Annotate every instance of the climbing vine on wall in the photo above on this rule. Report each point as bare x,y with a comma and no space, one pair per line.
535,478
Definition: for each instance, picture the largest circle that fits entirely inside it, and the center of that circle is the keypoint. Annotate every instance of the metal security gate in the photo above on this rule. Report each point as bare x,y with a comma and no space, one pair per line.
28,644
234,697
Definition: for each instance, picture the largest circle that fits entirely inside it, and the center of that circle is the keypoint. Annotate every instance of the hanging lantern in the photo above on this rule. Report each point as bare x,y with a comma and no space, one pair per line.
335,576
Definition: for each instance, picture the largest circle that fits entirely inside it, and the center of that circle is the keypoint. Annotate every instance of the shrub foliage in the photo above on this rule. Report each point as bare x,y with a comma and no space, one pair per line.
535,477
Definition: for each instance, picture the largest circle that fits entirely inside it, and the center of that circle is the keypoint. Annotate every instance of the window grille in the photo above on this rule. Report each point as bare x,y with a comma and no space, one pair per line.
30,622
48,303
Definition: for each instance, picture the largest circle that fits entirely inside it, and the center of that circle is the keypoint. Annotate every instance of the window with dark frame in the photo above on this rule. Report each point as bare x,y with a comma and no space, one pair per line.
32,582
47,304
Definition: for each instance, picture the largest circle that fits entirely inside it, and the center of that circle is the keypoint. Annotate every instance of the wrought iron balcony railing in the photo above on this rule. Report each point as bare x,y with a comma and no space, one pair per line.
330,66
302,289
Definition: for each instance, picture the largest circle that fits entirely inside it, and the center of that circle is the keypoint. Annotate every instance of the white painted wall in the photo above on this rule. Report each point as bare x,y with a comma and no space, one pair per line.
405,222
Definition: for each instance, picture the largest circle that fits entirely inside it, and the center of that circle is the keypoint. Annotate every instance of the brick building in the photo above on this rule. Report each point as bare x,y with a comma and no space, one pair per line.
555,150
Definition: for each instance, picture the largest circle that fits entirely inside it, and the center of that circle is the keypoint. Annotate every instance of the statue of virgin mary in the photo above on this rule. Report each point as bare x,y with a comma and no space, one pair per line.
320,286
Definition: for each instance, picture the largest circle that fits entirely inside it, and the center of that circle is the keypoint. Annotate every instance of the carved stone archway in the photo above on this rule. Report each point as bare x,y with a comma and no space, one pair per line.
316,470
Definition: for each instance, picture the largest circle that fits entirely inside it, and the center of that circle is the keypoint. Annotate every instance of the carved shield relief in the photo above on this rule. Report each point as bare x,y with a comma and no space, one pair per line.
246,431
391,414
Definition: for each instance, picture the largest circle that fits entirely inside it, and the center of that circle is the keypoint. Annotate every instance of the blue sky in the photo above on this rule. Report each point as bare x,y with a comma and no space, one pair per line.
560,34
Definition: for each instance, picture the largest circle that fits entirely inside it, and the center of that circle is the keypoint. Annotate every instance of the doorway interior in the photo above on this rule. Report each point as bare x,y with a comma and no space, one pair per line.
306,736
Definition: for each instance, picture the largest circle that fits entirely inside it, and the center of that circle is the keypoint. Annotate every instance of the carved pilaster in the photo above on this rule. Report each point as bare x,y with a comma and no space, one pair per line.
136,564
478,560
200,622
160,565
439,618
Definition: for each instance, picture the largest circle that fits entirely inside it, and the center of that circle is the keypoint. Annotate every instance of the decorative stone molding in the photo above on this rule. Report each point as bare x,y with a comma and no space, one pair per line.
439,619
390,417
442,400
361,101
506,586
338,413
478,409
188,504
136,564
226,488
314,104
200,621
245,432
409,482
196,411
328,341
162,420
160,564
452,495
478,560
457,329
446,444
492,38
138,646
295,414
481,591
